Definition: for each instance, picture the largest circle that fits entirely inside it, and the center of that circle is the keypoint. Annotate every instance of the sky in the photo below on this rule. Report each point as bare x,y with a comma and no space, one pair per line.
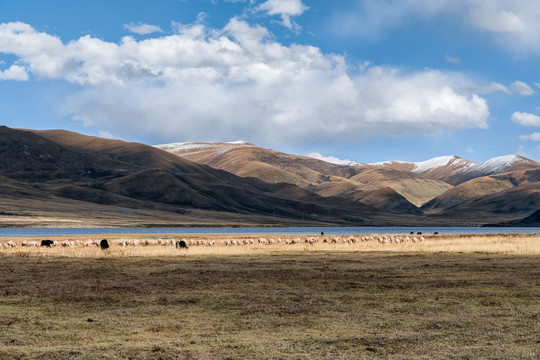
365,80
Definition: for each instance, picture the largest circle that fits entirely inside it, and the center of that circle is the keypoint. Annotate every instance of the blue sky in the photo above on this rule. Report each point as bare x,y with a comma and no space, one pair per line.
366,80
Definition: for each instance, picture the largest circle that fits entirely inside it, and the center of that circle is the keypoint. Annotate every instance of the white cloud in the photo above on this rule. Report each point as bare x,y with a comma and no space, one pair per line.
494,87
107,135
285,8
495,16
142,29
15,72
517,87
526,119
236,82
470,150
533,137
513,24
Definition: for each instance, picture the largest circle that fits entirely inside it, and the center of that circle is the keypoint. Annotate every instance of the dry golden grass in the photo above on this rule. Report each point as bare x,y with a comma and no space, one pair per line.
297,304
522,244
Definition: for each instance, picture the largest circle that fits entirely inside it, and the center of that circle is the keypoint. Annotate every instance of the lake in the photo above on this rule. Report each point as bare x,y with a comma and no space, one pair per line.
19,232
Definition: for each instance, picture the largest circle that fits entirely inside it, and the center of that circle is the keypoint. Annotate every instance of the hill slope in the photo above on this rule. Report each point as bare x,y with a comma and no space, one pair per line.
455,170
511,195
322,177
84,168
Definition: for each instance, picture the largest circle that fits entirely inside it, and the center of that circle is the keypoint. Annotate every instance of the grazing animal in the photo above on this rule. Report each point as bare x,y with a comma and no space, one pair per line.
47,243
104,244
181,244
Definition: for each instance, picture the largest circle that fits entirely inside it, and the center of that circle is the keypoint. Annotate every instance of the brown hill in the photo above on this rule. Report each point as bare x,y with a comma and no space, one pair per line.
490,199
414,187
389,201
455,170
507,205
481,187
324,178
532,220
112,172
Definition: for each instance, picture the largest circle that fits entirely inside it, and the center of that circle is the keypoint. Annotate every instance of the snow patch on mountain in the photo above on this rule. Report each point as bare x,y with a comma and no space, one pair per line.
442,161
335,160
498,165
181,147
192,148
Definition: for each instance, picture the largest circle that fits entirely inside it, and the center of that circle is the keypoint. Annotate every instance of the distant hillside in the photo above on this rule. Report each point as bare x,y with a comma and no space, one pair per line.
56,176
391,187
321,177
508,195
532,220
81,168
414,187
455,170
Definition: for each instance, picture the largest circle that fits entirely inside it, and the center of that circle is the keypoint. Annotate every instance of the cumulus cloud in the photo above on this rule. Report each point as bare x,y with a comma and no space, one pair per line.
236,82
14,72
526,119
142,29
533,137
285,8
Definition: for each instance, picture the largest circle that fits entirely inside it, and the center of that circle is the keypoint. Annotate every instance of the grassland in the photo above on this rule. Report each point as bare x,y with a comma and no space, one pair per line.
472,297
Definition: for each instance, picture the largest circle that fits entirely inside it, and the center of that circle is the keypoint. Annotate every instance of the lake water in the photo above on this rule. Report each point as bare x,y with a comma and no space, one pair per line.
44,232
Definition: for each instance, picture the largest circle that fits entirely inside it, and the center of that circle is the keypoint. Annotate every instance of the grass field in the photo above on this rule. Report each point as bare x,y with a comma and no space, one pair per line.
446,298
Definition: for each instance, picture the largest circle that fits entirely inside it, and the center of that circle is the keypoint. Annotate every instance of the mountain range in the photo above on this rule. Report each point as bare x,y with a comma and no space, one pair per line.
448,188
55,176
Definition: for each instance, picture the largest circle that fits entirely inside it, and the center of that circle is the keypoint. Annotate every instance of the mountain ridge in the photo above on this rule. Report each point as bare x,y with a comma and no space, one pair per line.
89,178
432,186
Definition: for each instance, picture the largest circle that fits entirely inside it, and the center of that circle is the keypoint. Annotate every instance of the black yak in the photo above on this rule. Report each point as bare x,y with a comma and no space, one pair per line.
47,243
104,244
181,244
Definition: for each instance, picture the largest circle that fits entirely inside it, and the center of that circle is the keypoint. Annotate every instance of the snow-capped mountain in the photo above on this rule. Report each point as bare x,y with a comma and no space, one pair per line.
499,165
455,170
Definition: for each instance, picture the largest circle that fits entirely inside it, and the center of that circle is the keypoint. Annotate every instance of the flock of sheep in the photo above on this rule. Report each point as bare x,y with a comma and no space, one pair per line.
184,243
383,239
